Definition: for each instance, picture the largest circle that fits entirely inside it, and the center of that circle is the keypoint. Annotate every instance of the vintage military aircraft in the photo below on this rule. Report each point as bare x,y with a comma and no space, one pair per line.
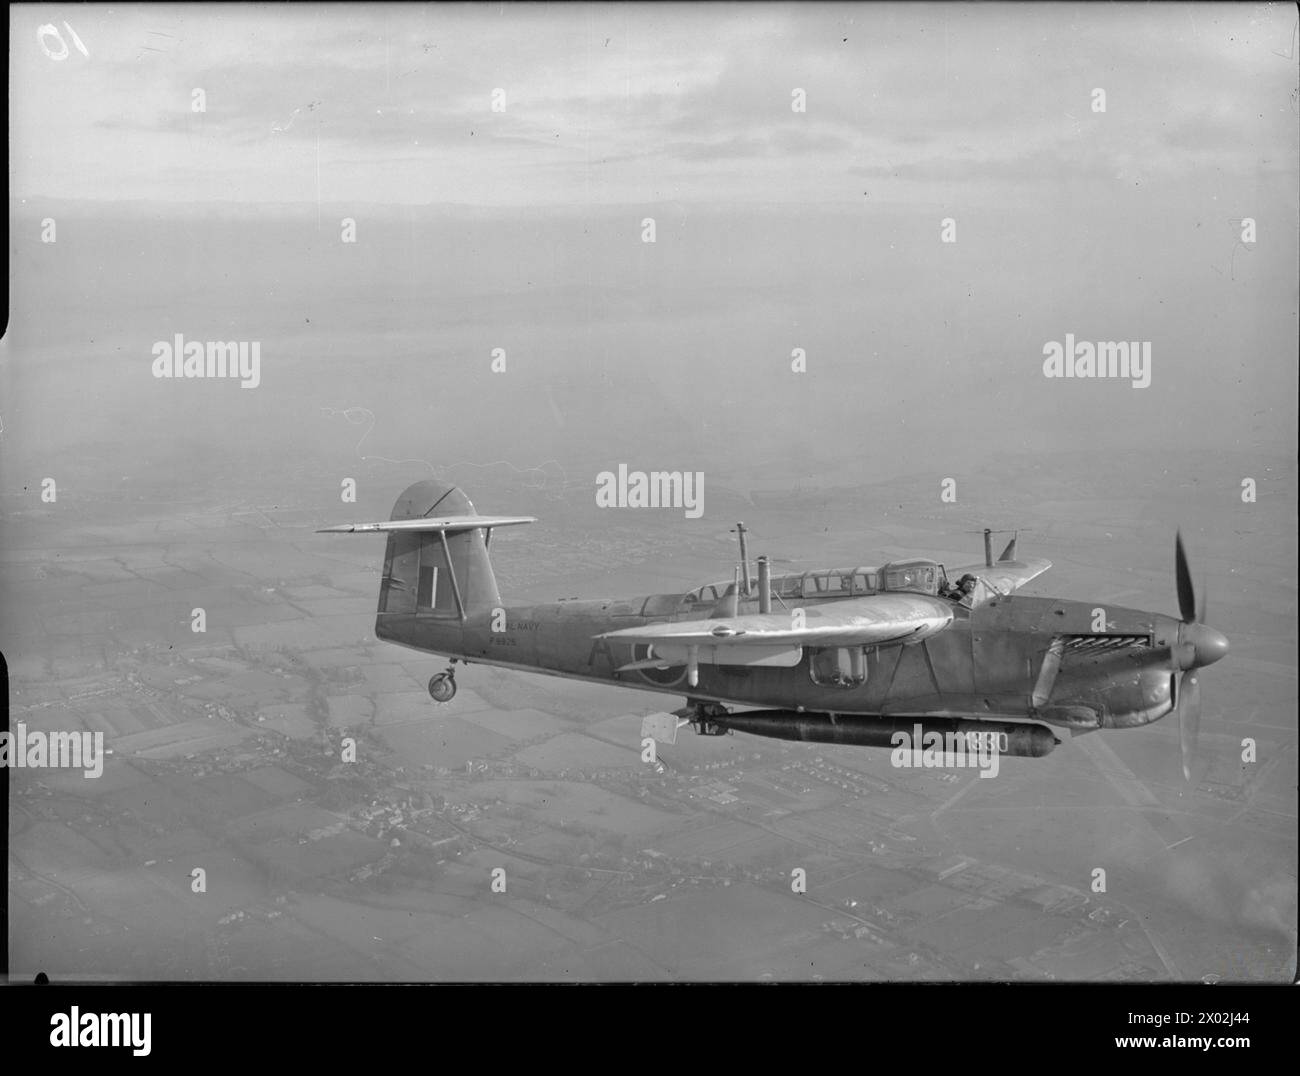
844,656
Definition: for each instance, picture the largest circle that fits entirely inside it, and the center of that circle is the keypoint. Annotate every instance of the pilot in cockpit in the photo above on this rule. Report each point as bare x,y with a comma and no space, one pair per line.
966,589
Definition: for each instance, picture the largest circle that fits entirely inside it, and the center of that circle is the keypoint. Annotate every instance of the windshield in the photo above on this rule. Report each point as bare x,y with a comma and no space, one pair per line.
914,577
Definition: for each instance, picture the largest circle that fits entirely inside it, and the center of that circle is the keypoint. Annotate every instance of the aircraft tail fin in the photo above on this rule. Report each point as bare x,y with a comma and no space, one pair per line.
436,562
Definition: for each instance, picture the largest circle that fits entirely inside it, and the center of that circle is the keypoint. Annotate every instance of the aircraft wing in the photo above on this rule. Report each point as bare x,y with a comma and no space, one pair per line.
1006,575
448,524
778,638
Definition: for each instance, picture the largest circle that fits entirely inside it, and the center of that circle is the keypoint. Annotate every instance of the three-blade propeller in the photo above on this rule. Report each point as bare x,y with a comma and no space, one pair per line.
1197,645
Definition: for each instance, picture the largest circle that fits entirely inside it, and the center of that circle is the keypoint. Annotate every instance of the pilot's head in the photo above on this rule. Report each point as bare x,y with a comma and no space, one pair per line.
966,584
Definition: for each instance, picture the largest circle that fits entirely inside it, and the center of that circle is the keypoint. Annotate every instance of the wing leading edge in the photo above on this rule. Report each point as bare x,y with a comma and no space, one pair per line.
446,524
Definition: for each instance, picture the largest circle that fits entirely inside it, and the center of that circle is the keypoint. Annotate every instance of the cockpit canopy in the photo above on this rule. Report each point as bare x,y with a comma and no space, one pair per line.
826,583
917,576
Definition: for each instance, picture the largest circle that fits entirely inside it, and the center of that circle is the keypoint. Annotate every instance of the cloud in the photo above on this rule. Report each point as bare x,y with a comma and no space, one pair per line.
622,101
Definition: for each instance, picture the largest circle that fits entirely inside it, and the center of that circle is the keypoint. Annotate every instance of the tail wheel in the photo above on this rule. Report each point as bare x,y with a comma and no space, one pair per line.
442,687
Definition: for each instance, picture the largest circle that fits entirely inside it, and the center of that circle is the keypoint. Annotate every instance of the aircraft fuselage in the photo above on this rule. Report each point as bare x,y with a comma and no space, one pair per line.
1113,662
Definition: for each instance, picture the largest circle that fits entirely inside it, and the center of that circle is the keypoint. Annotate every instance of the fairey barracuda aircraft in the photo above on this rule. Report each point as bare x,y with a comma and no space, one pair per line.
848,656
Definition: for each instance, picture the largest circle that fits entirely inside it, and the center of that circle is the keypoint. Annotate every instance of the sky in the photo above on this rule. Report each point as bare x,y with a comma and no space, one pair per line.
778,230
393,104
